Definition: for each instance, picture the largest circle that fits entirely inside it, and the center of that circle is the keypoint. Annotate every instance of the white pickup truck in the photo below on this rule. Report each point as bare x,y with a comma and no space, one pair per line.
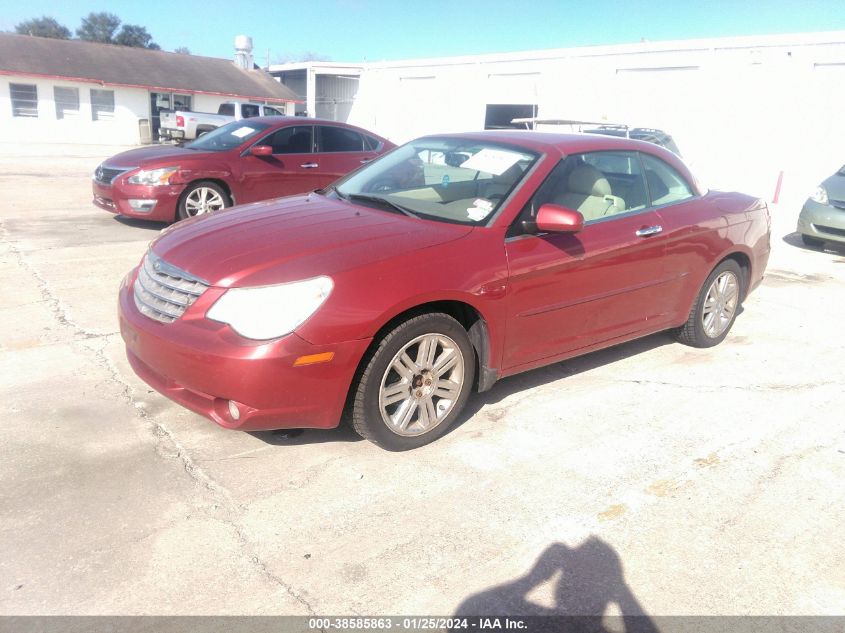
184,125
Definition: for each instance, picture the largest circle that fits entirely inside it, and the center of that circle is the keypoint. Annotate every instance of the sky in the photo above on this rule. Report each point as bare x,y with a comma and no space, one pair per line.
376,30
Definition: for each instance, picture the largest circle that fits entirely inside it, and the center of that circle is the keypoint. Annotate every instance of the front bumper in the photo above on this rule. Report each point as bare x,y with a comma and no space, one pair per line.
115,198
202,365
822,221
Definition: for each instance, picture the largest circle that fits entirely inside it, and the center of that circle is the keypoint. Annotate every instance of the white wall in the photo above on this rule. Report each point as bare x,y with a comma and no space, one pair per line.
741,109
130,104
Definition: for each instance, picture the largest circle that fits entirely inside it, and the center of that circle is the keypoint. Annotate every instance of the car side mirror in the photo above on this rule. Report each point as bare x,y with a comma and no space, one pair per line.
553,218
261,150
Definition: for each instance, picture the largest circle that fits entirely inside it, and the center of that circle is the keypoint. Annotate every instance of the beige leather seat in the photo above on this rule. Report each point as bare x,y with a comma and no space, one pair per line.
498,186
588,191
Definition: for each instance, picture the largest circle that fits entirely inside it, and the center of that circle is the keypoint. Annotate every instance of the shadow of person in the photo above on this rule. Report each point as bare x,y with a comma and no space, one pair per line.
589,580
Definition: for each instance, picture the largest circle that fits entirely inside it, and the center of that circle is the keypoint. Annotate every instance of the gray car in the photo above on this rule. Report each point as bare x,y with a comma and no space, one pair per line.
823,217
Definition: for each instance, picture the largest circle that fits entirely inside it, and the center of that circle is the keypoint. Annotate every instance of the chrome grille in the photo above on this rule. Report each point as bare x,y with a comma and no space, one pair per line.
162,291
106,175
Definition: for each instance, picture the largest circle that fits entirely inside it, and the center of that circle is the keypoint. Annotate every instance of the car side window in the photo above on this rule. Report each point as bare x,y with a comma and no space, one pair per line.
296,139
338,139
372,143
268,111
249,110
599,185
665,184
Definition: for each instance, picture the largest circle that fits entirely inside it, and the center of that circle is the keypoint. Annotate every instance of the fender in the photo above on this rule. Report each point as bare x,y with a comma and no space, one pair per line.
486,343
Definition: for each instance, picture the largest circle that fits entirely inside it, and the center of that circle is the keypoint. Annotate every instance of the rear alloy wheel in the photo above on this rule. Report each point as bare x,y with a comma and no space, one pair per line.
200,198
715,309
415,383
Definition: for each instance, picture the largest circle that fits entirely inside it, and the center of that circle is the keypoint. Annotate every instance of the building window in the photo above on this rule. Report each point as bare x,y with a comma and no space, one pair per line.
67,102
182,102
102,105
24,100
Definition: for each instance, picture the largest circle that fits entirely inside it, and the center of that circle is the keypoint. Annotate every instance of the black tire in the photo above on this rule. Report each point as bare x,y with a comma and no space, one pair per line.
183,210
694,332
812,242
378,366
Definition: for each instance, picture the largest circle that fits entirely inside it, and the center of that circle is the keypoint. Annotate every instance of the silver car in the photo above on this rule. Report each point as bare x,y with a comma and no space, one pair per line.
823,217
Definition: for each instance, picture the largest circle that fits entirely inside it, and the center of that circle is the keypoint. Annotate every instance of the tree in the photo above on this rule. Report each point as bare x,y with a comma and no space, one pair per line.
182,49
98,27
43,27
134,35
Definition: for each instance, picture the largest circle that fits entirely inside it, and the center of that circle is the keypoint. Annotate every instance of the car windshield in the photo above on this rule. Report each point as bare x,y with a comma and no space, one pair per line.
445,179
227,136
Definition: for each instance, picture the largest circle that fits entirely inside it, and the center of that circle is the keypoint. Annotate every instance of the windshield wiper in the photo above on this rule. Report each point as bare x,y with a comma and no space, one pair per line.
384,202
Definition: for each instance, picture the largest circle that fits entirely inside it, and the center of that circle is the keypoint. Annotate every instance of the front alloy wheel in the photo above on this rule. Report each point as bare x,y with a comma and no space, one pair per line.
201,198
413,383
421,385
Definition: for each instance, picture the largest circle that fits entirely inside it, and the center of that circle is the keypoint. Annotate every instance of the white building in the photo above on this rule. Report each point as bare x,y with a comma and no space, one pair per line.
741,109
68,91
326,89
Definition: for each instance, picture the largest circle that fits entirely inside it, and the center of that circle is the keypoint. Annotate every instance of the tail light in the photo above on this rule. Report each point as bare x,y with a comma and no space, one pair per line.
180,121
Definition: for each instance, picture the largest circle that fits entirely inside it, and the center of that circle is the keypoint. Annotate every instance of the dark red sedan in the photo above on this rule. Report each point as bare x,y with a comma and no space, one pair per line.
244,161
438,269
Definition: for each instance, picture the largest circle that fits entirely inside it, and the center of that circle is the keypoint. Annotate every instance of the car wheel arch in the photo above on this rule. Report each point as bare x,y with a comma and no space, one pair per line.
468,315
214,179
742,259
744,262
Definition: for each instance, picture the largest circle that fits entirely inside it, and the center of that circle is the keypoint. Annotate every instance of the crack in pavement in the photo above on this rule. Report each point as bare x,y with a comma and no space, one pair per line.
59,312
96,343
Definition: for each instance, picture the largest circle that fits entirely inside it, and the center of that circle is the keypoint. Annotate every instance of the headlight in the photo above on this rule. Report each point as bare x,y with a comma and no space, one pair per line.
268,312
819,195
152,176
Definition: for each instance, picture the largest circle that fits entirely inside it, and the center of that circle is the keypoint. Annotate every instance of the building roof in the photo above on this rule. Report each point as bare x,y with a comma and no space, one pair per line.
109,64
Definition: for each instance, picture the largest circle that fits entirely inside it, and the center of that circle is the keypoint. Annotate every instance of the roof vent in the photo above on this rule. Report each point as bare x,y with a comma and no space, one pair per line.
243,52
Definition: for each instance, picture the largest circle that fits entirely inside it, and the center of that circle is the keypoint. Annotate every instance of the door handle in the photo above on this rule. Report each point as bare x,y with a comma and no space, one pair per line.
364,161
649,230
309,165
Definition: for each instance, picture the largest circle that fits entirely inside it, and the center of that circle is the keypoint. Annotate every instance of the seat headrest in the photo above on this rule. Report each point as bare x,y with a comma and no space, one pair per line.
589,181
510,175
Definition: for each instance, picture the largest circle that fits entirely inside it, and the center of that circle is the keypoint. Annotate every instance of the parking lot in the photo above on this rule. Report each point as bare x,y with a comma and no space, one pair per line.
651,476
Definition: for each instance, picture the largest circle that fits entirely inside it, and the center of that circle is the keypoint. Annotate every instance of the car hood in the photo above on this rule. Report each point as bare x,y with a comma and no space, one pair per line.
144,156
835,186
295,238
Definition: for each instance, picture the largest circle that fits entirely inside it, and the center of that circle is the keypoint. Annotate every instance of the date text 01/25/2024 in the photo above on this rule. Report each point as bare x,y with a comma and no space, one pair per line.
416,624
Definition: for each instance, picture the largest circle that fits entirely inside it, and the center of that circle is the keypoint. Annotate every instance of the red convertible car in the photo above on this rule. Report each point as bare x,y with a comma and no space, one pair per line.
244,161
446,265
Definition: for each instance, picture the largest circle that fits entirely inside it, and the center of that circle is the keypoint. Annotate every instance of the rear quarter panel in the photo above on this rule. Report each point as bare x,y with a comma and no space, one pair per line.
702,232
